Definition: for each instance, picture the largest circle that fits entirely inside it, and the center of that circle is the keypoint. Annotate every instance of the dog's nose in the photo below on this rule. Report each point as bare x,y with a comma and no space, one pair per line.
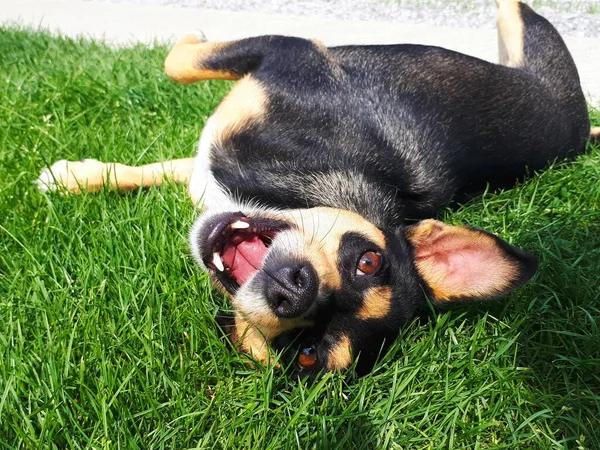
291,289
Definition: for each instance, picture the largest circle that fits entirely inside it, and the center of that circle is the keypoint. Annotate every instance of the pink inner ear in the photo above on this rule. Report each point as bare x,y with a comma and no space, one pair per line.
463,263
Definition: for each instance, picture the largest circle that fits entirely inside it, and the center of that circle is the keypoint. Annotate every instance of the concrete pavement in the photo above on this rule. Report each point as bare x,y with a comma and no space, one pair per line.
123,24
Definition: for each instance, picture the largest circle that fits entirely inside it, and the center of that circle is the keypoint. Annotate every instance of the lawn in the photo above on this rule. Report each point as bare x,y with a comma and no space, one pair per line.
107,336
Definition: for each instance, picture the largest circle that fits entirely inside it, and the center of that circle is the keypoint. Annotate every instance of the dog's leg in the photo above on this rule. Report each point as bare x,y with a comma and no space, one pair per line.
528,42
192,58
93,175
510,33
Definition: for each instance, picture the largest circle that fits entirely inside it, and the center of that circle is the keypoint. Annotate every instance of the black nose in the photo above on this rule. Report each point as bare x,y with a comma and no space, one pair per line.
291,289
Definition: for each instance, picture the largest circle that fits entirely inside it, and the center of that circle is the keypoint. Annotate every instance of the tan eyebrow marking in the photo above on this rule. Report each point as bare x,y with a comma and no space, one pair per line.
377,303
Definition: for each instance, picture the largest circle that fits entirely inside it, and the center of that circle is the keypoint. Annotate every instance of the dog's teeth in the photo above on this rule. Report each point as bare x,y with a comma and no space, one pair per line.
217,262
239,225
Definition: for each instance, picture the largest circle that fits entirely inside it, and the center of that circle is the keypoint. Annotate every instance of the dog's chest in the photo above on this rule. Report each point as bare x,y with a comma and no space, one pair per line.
204,189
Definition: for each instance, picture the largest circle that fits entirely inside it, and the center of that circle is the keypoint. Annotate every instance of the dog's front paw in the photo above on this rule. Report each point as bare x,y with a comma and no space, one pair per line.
71,176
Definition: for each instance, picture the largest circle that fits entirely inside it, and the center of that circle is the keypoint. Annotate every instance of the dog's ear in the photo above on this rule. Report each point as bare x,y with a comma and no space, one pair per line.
466,263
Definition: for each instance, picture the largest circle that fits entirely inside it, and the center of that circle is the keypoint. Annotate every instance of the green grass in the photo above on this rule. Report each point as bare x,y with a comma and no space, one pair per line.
107,338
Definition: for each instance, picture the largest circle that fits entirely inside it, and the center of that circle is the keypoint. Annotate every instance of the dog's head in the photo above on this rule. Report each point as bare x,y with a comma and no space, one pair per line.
336,286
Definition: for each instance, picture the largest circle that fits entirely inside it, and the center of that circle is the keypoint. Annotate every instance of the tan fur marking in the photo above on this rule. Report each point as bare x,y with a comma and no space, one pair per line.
322,230
254,332
272,326
92,175
245,104
510,33
268,324
184,62
333,61
320,45
253,338
595,134
377,303
325,268
435,276
340,356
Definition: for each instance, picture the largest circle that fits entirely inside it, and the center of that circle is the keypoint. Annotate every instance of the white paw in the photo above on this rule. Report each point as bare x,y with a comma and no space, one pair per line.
70,176
50,178
45,182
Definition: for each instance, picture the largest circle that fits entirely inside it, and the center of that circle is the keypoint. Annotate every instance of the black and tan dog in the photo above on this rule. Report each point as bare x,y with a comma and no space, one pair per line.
314,169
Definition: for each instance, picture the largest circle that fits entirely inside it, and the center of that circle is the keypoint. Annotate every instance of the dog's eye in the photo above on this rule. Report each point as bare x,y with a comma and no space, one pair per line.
368,263
307,357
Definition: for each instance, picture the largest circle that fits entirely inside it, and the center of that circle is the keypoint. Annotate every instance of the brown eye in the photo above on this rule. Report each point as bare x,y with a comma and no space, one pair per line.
307,357
368,263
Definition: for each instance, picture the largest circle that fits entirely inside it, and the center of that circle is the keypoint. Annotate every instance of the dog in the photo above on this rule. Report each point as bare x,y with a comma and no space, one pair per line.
322,171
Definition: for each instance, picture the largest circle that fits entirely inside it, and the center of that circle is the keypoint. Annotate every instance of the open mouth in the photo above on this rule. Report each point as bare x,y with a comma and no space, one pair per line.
234,246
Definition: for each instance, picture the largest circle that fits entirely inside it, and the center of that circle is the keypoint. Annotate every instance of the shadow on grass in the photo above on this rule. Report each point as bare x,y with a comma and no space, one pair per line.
560,340
558,312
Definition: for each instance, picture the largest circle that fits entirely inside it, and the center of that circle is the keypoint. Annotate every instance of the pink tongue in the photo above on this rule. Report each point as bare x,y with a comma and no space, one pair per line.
245,258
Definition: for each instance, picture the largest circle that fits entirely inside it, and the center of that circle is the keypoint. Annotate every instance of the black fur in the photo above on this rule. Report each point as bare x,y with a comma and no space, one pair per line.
393,133
406,126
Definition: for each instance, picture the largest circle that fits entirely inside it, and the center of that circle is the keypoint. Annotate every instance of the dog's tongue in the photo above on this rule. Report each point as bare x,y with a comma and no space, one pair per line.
244,258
